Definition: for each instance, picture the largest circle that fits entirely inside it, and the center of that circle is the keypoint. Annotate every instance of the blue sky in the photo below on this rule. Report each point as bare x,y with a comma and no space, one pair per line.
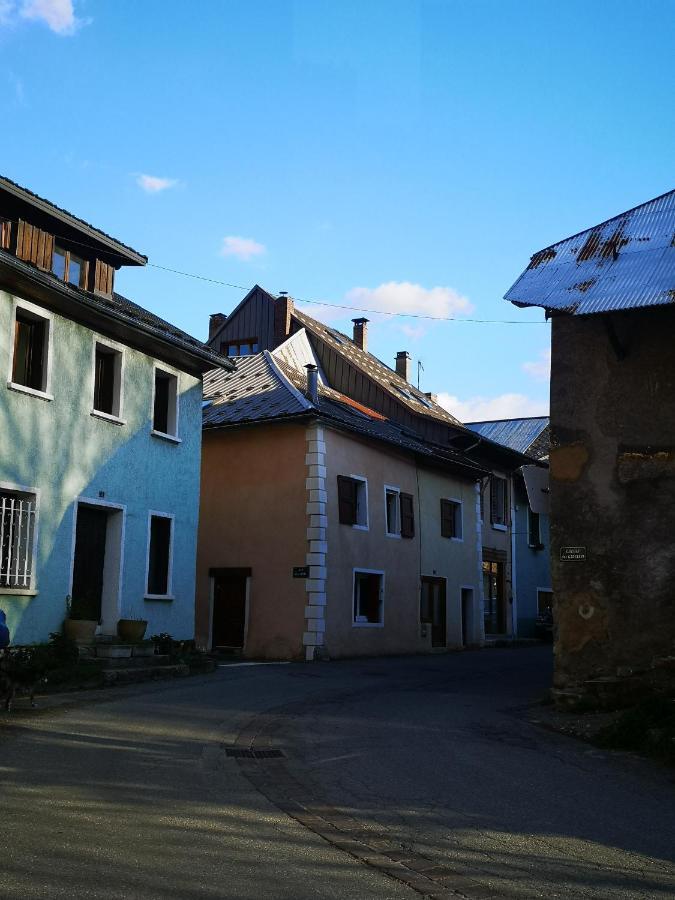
406,155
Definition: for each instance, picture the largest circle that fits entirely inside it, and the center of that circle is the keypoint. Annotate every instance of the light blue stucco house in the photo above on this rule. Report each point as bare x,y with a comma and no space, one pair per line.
100,434
532,592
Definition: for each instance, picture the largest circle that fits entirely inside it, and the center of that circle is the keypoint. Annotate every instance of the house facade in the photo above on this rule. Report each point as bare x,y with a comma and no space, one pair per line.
368,543
609,293
100,417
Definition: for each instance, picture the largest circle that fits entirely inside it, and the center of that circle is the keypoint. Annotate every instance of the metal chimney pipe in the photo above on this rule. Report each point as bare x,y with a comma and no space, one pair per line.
312,383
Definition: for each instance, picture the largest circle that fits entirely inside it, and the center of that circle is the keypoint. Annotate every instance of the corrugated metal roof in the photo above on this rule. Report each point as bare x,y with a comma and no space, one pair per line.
623,263
518,434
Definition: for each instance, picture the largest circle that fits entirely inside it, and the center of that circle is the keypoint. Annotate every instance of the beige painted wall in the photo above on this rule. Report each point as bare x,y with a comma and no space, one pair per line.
253,515
350,548
455,560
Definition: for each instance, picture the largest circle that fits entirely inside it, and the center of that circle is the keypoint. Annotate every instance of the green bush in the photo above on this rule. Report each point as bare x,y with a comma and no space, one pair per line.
646,728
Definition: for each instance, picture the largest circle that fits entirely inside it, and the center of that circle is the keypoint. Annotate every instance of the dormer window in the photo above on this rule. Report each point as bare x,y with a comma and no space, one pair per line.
59,263
69,268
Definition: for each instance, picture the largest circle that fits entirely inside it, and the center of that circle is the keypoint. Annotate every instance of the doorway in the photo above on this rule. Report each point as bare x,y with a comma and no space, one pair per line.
230,608
433,609
97,561
493,594
468,624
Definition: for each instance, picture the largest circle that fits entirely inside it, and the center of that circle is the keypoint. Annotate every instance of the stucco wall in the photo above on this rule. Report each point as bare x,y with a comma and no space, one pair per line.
253,515
613,492
500,538
350,548
58,448
455,560
533,567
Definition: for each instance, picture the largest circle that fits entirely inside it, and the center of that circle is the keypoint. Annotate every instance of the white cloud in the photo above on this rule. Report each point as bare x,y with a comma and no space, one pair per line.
540,369
7,11
414,332
406,297
241,248
153,185
58,15
504,406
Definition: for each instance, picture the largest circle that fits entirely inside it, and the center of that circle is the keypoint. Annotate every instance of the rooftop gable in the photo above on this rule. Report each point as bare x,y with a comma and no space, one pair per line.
517,434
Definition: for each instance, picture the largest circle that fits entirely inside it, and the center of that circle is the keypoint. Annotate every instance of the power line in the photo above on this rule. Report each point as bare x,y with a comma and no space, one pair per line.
362,309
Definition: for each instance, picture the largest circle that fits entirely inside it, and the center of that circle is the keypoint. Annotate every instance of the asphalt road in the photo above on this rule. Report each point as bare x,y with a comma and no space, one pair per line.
428,763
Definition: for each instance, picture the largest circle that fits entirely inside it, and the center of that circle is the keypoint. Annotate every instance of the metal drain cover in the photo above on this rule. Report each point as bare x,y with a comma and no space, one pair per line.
254,754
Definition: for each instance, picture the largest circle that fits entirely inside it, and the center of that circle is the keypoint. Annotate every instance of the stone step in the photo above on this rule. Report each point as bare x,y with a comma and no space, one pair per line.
134,662
144,673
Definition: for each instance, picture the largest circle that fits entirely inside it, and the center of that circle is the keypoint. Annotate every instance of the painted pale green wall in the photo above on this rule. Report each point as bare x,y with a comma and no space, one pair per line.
61,450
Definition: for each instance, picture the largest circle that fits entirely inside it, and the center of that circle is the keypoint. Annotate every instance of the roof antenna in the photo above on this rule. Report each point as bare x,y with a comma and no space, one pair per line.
420,368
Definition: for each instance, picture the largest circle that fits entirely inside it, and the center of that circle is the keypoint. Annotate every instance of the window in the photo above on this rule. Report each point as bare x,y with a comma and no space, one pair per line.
107,380
451,519
75,270
392,511
165,406
59,263
407,516
533,530
17,530
69,267
30,357
368,597
544,601
353,501
159,555
240,347
498,501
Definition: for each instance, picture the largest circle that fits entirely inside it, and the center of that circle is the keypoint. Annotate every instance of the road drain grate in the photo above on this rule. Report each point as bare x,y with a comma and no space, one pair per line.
254,754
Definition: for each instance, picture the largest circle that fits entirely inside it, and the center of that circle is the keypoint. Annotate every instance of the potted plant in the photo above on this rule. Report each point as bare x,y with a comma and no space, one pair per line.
79,625
132,630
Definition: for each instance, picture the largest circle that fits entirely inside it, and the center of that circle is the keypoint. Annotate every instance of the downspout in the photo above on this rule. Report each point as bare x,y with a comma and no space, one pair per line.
514,600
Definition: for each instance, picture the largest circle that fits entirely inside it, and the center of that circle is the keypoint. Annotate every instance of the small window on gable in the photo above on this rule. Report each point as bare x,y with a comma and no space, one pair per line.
451,519
353,501
165,409
159,556
17,530
59,263
75,270
534,530
368,598
31,348
240,347
107,380
392,503
499,514
69,267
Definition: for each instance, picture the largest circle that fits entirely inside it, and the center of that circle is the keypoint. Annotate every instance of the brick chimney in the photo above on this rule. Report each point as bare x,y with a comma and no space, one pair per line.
215,321
361,333
283,308
430,396
403,364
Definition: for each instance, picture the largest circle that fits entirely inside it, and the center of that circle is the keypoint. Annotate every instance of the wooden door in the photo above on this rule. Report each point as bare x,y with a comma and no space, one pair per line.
90,540
433,609
493,594
229,609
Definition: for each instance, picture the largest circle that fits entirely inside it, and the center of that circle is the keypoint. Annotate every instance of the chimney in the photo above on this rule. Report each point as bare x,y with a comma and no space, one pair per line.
283,308
312,383
430,396
361,333
403,364
215,321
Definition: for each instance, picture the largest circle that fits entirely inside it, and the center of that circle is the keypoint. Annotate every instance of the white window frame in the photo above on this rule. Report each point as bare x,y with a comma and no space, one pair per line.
498,526
118,418
391,489
173,373
40,313
32,591
460,504
169,580
364,481
359,571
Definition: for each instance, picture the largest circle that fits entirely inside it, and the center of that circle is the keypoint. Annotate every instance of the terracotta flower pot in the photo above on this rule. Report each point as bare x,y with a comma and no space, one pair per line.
131,630
81,631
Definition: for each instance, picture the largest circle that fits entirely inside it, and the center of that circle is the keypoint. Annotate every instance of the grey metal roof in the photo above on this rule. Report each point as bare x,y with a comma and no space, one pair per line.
518,434
623,263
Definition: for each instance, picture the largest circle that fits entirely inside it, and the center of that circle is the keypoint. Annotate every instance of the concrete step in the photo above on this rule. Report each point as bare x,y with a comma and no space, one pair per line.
134,662
144,673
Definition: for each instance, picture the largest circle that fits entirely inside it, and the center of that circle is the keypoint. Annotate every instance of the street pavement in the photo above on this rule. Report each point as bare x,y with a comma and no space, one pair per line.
399,778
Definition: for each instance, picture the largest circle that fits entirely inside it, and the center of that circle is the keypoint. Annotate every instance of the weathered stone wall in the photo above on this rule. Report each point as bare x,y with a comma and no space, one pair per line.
613,492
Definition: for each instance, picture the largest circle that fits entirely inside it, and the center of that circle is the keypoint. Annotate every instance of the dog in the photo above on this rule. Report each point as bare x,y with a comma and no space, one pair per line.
21,671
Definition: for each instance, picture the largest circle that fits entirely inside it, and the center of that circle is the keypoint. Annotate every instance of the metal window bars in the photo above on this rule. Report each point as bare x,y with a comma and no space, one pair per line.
17,525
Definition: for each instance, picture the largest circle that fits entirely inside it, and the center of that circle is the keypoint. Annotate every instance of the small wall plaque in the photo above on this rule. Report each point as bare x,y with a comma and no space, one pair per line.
569,554
300,571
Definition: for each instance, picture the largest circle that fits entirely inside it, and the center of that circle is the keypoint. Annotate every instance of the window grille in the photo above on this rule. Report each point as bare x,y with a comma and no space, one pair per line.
17,526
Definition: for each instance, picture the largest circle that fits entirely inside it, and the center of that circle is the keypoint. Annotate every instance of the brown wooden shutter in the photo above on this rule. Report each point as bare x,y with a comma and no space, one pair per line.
493,500
447,519
5,235
34,245
407,516
103,278
347,500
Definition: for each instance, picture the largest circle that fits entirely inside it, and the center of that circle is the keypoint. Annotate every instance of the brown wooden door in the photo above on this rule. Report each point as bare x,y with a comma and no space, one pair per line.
229,610
433,609
90,539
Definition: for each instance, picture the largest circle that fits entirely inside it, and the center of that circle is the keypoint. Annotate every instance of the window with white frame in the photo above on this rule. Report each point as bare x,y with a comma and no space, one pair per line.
165,406
499,500
30,356
451,519
160,547
368,597
17,535
353,501
107,380
392,511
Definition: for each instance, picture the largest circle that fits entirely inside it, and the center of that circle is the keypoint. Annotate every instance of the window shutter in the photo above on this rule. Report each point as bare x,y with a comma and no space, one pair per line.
494,508
5,235
103,278
407,516
34,245
346,500
447,519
